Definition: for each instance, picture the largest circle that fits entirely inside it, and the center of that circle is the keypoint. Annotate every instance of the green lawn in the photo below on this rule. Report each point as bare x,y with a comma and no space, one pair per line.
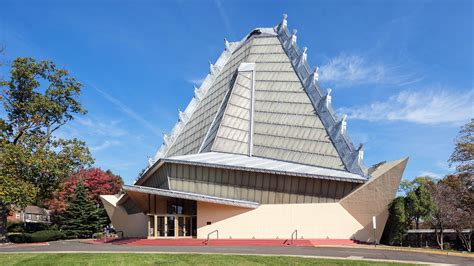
165,259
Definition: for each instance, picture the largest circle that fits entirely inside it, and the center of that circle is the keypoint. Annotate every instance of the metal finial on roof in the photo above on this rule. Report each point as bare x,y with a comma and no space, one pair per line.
360,156
316,74
182,116
211,68
293,39
284,23
198,93
343,124
328,98
227,44
303,57
166,138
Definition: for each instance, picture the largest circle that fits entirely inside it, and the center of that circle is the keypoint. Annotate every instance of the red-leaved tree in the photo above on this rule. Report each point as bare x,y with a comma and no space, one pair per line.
96,182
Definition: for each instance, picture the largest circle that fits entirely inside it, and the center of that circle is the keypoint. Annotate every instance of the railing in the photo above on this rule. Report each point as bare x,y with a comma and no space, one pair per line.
295,233
208,235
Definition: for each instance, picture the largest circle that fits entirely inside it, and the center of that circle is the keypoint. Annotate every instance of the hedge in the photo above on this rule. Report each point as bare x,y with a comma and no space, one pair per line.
47,235
40,236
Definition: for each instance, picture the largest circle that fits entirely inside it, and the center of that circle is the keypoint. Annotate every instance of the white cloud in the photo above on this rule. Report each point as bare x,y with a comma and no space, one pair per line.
104,145
103,128
128,111
348,70
424,107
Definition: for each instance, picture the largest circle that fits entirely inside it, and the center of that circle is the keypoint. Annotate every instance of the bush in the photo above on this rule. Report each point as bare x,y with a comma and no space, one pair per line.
19,238
98,235
15,227
35,227
47,235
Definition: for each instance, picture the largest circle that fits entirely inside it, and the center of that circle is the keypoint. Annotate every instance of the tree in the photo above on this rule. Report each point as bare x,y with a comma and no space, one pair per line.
463,154
38,99
461,184
82,217
446,214
397,224
416,205
96,181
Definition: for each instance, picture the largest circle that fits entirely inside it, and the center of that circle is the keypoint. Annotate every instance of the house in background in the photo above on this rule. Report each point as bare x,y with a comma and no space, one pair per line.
259,153
31,214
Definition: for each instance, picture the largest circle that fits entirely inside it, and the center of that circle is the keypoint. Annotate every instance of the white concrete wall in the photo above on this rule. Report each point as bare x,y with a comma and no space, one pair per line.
134,225
313,221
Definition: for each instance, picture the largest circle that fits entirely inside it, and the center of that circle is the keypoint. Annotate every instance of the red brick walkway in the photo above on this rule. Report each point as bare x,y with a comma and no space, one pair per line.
226,242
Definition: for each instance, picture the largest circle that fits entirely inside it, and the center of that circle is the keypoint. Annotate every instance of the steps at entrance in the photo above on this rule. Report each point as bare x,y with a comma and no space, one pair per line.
231,242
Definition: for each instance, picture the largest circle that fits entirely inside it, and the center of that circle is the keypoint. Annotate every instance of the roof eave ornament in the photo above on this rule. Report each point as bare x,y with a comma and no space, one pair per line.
283,25
198,93
292,40
303,57
227,44
343,124
328,98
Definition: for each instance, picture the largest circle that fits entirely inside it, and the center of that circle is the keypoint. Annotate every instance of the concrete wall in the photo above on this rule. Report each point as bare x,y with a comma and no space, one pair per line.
133,225
316,220
351,218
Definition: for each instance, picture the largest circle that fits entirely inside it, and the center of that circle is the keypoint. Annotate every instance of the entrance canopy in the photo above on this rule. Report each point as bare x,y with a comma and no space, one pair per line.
189,196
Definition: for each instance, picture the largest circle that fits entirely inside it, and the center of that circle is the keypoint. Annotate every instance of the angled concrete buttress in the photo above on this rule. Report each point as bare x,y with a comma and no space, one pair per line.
372,198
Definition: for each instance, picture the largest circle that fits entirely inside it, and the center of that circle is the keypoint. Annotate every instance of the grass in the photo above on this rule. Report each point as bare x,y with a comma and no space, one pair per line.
167,259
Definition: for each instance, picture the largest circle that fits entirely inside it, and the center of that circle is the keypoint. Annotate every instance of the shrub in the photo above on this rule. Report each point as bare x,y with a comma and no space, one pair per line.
19,238
35,227
98,235
15,227
47,235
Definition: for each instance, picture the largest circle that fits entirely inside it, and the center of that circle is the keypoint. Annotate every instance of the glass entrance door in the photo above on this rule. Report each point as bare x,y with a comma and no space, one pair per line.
170,225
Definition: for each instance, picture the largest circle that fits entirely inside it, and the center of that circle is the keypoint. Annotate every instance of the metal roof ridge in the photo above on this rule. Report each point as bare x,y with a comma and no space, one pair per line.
351,157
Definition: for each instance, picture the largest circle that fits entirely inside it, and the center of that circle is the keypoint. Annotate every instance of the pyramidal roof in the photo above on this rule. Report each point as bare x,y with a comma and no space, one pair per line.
261,99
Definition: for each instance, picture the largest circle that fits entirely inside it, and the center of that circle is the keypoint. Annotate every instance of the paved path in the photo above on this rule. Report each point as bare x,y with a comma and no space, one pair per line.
338,252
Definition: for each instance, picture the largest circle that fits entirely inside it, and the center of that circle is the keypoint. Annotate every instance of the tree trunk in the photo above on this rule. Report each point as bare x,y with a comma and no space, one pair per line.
439,238
465,238
3,223
417,224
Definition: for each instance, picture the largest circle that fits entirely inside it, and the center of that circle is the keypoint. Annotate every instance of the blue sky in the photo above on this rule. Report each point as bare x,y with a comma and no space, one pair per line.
401,70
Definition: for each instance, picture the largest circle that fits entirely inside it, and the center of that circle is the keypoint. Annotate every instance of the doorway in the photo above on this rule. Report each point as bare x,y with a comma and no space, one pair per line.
171,226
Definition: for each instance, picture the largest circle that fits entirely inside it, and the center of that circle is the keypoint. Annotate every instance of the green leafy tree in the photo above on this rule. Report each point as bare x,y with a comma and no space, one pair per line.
397,225
83,217
415,206
38,99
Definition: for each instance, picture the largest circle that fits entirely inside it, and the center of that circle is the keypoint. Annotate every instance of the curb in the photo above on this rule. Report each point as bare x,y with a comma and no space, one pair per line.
418,250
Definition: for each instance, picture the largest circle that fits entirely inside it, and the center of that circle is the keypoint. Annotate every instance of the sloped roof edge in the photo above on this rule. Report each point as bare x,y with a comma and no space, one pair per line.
352,158
192,196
